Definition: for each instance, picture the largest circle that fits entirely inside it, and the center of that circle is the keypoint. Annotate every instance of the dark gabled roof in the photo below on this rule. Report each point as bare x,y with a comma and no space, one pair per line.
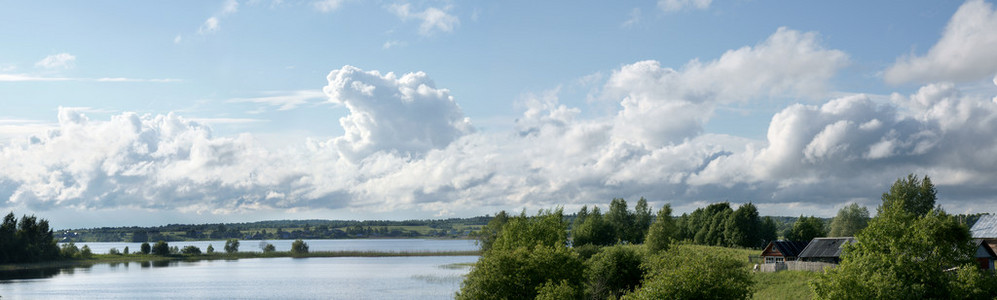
825,247
986,247
789,248
985,227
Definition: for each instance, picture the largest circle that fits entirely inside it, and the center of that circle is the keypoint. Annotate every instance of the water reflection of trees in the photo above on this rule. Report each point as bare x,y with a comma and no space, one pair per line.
42,273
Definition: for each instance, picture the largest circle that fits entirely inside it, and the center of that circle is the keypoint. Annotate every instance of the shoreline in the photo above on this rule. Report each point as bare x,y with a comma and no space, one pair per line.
139,258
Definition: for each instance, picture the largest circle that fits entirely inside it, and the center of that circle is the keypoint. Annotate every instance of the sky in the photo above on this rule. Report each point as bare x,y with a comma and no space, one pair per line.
139,114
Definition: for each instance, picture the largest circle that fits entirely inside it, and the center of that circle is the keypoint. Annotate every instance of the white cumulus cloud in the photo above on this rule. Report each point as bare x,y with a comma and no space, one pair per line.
432,19
57,61
965,51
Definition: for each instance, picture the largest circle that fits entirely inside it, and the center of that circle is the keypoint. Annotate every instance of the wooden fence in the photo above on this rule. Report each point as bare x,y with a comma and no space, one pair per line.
795,266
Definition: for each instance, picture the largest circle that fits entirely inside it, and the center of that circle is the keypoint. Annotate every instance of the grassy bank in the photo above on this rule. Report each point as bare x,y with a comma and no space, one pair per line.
776,285
111,258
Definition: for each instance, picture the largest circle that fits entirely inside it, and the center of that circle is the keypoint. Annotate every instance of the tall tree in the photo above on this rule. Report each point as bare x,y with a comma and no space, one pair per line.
849,221
904,254
914,195
641,223
806,229
663,231
743,227
490,232
620,218
769,231
546,228
594,231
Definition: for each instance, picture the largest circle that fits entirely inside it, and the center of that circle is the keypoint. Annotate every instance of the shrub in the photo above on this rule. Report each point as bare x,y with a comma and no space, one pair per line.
614,271
146,249
114,251
85,252
682,272
299,247
161,248
190,250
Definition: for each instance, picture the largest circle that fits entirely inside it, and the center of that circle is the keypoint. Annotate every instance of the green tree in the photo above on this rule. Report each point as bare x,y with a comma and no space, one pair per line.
806,229
662,232
113,251
743,227
126,250
211,249
904,254
849,221
686,272
231,246
641,223
299,247
769,230
85,252
522,273
269,248
190,250
560,291
546,228
614,271
8,239
490,232
145,248
579,218
620,219
69,250
915,195
595,230
161,248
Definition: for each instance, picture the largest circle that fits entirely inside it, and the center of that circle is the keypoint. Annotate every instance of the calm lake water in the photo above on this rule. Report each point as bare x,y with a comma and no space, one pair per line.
397,245
434,277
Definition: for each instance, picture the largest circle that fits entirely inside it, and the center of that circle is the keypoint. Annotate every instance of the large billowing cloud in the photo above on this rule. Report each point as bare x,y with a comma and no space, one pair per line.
964,53
408,147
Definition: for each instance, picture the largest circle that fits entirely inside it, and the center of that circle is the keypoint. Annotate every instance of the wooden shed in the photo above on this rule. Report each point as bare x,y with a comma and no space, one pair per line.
825,249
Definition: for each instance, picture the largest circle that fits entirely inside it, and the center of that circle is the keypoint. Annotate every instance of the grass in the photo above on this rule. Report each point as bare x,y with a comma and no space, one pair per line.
783,285
110,258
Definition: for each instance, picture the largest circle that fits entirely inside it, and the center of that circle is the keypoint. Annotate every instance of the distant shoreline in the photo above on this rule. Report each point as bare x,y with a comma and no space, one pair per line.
140,258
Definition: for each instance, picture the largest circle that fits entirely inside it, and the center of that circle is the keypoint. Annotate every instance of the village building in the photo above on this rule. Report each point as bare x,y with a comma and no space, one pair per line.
826,250
986,229
985,255
782,251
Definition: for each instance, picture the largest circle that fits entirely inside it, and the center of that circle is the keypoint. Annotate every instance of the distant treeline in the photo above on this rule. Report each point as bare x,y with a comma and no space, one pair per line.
281,229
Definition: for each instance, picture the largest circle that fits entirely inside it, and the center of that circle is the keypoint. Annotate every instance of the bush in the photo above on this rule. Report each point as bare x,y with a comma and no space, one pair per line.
522,273
126,250
146,249
614,271
682,272
69,250
114,251
269,248
190,250
211,249
560,291
586,251
161,248
299,247
85,252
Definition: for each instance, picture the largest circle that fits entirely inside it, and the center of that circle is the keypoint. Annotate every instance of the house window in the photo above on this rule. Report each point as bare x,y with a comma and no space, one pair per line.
779,259
769,259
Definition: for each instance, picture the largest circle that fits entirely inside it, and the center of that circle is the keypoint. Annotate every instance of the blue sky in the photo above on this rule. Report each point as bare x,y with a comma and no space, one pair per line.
203,111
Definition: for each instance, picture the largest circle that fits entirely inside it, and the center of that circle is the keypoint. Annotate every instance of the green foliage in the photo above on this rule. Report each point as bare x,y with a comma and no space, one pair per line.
488,233
231,246
113,251
685,272
586,251
614,271
560,291
973,283
620,219
146,248
914,195
190,250
806,229
547,228
521,273
904,254
126,250
161,248
29,240
662,232
69,250
85,252
595,230
269,248
211,249
642,222
299,247
769,230
705,226
849,221
744,227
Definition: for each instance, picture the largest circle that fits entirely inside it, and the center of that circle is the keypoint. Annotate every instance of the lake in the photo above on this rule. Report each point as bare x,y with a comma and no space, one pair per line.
416,277
397,245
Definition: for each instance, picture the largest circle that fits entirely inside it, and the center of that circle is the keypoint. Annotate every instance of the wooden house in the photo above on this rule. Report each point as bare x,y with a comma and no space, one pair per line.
825,249
782,251
985,255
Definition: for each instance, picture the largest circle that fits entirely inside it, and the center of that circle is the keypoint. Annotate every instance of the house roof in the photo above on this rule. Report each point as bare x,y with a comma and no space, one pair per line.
789,248
825,247
982,244
985,227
